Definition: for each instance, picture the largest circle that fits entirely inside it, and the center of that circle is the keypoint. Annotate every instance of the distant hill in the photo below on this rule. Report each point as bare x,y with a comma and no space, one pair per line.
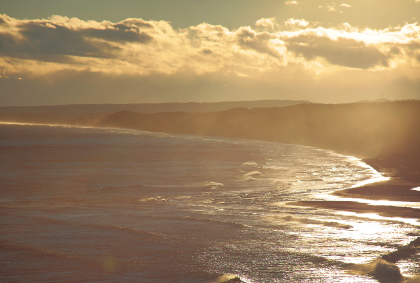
150,107
385,129
90,114
372,101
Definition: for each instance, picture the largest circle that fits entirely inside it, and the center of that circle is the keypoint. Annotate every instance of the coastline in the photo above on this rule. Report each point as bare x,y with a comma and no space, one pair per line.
400,162
403,178
385,132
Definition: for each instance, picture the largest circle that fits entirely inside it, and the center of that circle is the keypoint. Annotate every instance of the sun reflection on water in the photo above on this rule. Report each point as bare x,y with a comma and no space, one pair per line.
329,197
375,216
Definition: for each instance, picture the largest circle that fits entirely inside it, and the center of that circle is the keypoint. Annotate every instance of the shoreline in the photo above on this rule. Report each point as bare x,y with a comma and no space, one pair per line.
398,188
403,178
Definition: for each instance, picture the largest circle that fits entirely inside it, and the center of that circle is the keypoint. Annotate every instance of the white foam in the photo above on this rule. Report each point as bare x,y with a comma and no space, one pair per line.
250,163
253,173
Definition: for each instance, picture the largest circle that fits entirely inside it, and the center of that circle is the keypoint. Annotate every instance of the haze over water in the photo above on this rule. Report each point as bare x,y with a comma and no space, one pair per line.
107,205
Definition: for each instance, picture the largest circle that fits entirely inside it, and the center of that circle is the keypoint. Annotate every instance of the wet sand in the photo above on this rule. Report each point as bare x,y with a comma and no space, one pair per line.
382,210
404,176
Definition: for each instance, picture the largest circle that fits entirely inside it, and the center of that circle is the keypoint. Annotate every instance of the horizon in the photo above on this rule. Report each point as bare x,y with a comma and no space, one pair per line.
379,100
59,53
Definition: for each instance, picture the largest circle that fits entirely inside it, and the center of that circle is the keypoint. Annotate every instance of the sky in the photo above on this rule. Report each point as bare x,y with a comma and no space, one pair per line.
105,51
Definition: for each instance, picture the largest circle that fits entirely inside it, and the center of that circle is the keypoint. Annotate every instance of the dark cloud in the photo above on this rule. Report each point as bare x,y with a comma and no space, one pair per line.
120,35
395,50
342,52
6,40
414,46
60,40
206,51
54,43
259,42
51,42
412,49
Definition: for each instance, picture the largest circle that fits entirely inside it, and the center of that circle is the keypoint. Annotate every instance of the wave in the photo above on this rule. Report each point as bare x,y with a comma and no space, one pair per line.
212,185
278,168
207,220
250,163
384,269
253,173
250,176
228,278
302,220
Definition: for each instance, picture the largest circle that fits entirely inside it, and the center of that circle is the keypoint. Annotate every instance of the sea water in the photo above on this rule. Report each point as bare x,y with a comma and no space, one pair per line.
82,204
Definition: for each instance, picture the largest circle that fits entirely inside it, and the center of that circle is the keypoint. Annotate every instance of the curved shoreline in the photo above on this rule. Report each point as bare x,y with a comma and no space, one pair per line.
398,188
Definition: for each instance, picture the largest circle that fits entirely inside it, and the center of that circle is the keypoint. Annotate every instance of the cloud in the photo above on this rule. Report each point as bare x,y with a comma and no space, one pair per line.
296,22
333,7
260,42
59,39
268,23
329,8
342,51
136,46
291,3
133,23
117,34
206,51
271,59
129,30
46,38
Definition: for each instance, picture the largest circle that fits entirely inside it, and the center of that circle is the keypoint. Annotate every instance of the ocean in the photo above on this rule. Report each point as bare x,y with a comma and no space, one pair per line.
85,204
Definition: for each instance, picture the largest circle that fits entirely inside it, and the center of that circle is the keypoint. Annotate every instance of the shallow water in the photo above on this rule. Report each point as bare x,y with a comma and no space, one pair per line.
106,205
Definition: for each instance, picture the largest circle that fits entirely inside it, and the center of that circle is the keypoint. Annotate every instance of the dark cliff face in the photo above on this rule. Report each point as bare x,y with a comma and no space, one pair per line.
388,129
